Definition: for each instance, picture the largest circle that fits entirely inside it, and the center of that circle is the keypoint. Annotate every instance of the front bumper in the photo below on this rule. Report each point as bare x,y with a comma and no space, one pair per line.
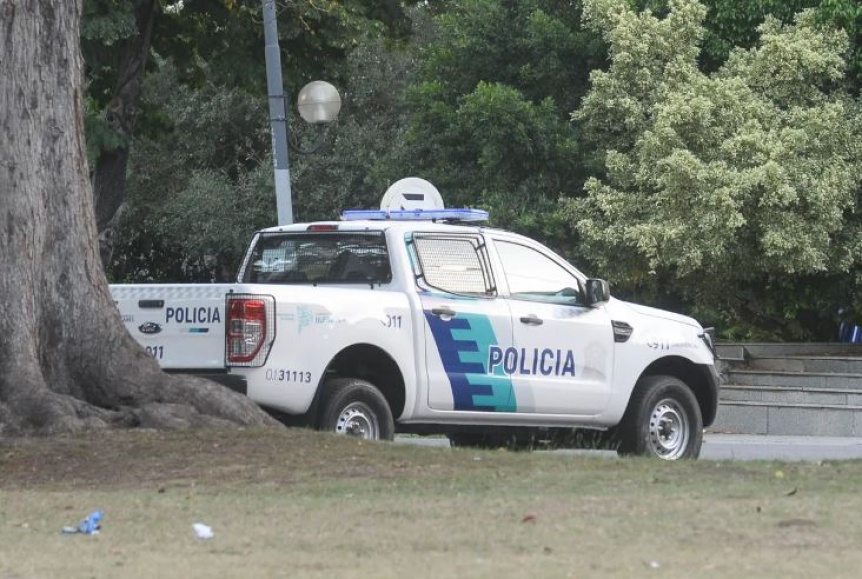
713,384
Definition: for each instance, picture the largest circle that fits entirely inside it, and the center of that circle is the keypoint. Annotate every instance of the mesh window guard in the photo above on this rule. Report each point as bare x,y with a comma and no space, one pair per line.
455,264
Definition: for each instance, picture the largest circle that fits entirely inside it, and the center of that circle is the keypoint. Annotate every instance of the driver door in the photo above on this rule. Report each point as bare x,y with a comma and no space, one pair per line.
563,350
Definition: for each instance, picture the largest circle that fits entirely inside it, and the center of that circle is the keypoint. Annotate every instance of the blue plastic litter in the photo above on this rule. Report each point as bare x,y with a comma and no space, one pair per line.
89,526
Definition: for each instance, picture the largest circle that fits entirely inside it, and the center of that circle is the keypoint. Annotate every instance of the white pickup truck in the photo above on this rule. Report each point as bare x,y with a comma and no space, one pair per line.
427,322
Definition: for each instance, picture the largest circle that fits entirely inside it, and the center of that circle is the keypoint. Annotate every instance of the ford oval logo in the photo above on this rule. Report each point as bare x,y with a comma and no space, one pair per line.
150,328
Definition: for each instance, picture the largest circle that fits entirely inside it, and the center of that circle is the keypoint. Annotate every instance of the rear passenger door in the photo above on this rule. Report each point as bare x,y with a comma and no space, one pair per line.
464,322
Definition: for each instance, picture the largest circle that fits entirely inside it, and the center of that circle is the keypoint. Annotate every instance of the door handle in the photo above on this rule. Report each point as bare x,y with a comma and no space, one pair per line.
532,320
444,311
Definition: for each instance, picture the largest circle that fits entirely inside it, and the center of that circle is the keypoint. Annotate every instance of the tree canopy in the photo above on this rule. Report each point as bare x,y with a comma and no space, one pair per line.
705,133
489,111
747,176
733,24
200,167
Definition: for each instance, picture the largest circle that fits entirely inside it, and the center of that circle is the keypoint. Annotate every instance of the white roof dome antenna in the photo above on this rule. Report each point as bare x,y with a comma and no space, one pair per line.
411,193
414,199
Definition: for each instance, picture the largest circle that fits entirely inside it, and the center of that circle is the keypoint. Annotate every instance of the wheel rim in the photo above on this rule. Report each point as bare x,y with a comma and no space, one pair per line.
668,430
357,420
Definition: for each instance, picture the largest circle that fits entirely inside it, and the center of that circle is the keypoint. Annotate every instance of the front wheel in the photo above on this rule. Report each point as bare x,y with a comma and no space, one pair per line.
663,420
356,408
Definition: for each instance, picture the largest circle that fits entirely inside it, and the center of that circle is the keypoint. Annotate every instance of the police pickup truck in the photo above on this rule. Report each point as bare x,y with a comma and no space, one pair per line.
424,321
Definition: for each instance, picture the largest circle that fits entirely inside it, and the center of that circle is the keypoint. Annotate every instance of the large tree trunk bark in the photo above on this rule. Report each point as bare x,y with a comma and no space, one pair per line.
109,173
66,361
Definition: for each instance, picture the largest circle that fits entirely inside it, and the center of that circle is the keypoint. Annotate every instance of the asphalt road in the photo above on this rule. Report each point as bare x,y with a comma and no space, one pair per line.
736,447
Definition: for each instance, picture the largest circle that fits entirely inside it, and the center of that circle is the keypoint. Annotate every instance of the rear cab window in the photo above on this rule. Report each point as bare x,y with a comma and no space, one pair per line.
338,257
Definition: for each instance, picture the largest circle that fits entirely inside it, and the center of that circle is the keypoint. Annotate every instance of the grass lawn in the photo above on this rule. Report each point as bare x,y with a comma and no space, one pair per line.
296,503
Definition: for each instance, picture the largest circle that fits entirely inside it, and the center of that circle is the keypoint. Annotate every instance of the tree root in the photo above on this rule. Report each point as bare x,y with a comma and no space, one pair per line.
179,403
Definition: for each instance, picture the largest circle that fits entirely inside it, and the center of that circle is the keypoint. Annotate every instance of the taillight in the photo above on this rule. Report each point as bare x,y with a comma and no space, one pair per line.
250,329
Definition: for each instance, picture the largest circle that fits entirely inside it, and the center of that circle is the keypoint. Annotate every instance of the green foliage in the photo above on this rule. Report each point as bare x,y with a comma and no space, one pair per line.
212,217
198,186
219,42
721,182
105,27
108,21
362,155
489,113
100,136
201,178
199,234
734,24
847,14
747,176
222,42
141,255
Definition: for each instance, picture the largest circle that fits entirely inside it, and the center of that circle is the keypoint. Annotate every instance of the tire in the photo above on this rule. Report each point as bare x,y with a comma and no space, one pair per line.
663,420
356,408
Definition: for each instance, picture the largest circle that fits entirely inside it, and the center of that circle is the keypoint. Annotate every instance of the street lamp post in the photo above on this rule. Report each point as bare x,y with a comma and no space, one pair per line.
277,115
318,103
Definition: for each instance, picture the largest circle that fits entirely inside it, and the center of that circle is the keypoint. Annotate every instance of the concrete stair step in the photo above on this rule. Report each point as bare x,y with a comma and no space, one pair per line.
806,389
751,417
815,397
799,380
730,352
738,350
814,364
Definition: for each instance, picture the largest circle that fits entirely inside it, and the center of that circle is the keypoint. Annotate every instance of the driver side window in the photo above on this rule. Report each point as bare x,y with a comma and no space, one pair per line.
533,276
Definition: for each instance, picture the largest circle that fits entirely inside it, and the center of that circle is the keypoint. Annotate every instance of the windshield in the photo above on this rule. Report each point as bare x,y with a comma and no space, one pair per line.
313,258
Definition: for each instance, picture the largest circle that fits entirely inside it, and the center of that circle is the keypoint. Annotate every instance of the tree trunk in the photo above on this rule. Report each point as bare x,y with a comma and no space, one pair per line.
66,360
109,174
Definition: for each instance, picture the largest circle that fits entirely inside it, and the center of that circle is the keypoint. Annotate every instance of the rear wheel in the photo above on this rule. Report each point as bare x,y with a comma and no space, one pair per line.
663,420
356,408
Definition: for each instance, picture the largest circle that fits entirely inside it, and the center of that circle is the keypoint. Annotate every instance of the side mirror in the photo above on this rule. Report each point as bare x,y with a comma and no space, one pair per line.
598,291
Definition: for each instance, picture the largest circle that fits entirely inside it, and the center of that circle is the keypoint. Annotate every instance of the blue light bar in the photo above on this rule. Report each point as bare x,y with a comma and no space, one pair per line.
415,215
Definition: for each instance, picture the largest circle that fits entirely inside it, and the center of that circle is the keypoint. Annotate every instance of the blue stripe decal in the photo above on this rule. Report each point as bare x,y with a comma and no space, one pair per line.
463,343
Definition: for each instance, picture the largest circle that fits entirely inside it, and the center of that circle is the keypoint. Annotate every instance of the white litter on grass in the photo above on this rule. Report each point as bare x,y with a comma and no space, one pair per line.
203,531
